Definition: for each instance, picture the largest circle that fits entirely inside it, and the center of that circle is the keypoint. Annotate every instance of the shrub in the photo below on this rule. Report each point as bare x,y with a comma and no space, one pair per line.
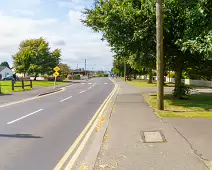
182,92
58,78
76,77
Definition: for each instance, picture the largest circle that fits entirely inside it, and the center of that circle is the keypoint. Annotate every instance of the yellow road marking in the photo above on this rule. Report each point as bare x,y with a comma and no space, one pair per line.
72,148
33,98
82,145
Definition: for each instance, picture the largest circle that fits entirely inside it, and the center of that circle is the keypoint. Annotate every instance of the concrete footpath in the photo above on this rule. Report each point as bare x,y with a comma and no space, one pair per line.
137,139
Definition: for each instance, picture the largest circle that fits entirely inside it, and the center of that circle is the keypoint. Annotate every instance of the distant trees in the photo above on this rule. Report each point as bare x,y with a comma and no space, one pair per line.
64,70
5,63
34,57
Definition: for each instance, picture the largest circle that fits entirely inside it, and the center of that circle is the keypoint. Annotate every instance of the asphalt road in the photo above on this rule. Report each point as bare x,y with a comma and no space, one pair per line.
34,135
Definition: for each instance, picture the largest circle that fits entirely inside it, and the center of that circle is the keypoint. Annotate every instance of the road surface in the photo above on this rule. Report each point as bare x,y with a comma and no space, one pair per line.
34,135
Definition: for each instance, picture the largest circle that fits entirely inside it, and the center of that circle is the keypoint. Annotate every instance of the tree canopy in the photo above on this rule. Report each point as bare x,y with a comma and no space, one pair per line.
129,26
64,69
5,63
34,57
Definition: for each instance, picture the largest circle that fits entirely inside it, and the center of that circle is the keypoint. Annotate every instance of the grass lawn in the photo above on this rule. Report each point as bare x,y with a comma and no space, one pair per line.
145,84
46,83
198,106
6,86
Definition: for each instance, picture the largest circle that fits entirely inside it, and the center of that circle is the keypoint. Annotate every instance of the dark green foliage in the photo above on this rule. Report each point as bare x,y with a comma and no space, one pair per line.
182,92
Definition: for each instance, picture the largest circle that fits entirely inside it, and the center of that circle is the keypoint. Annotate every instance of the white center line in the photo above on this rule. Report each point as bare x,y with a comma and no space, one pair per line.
89,83
82,91
24,117
66,99
105,83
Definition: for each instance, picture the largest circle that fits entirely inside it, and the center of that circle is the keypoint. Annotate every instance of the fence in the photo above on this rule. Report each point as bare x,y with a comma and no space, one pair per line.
22,84
200,83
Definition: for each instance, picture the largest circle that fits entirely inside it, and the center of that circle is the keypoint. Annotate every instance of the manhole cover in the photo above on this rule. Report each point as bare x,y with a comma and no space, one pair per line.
152,136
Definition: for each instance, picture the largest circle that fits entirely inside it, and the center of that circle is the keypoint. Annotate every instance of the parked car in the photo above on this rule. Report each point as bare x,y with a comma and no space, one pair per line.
10,78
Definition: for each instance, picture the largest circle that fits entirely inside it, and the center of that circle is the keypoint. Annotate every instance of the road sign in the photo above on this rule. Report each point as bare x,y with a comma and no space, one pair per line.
57,69
56,74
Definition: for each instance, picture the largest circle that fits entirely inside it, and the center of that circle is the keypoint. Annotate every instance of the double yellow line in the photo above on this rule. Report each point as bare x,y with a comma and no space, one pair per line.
86,134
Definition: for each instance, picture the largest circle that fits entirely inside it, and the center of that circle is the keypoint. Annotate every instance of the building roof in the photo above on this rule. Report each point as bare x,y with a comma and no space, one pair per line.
2,68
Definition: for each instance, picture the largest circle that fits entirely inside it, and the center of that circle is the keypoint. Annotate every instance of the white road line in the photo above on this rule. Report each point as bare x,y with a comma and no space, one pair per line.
89,83
66,99
90,87
82,92
82,83
105,83
24,117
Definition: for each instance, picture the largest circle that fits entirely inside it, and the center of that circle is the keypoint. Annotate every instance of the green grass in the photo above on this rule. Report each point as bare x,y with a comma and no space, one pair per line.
145,84
6,86
46,83
198,106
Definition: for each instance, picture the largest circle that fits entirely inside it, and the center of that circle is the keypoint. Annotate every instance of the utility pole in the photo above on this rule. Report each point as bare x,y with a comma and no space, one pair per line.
85,67
159,49
77,66
125,70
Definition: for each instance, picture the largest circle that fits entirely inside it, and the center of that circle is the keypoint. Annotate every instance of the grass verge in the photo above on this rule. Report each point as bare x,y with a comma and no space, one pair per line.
199,106
145,84
6,86
46,83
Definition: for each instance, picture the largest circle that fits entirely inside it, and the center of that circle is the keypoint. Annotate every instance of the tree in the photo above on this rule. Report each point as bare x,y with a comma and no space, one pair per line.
34,57
64,70
5,63
120,22
129,28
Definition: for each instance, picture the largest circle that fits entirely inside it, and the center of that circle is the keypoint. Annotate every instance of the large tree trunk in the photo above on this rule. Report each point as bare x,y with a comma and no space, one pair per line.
135,76
36,75
178,77
150,76
130,77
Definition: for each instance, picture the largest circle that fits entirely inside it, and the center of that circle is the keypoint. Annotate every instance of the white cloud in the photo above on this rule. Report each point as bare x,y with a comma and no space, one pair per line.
20,4
71,5
65,4
59,43
24,12
75,40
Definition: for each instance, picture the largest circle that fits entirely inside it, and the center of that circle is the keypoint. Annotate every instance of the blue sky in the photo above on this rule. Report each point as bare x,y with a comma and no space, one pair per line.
58,21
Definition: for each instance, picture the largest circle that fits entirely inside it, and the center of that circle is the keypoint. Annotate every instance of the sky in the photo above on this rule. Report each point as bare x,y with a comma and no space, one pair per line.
58,21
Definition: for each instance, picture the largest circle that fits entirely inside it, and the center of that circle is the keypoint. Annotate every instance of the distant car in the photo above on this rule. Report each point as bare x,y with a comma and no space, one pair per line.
9,78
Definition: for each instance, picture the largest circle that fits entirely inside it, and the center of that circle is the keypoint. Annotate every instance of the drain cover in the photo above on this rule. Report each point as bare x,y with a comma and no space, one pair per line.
152,136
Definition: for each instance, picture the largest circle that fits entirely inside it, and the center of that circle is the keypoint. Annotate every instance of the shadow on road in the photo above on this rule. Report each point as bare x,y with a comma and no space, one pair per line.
18,136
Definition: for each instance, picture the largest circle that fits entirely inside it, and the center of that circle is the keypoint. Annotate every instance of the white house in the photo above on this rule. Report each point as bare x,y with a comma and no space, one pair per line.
5,71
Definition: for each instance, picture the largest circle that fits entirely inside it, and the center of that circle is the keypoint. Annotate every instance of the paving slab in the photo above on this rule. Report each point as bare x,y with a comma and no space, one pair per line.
124,149
198,132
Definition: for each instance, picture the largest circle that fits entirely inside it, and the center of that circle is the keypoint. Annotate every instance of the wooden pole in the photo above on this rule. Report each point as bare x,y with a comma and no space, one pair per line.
125,70
159,49
22,84
12,85
31,83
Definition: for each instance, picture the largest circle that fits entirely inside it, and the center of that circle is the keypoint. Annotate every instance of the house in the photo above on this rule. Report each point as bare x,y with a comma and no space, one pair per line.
5,71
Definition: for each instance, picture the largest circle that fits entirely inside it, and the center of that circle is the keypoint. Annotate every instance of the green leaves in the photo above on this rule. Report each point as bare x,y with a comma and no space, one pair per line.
129,27
35,57
64,69
5,64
